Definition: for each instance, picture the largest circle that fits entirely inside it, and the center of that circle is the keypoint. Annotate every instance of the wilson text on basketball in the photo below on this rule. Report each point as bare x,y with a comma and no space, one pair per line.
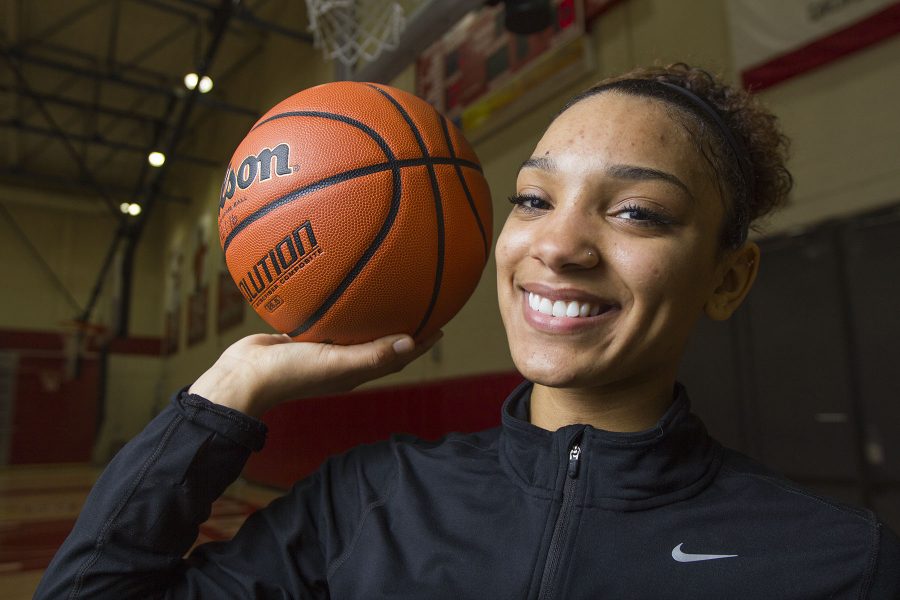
259,164
289,255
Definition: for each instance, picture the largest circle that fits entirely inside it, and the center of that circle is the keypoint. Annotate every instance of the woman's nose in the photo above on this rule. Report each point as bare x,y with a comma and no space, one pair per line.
567,240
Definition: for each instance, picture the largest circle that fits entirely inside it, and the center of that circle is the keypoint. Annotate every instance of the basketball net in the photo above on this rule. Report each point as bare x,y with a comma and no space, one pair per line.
354,30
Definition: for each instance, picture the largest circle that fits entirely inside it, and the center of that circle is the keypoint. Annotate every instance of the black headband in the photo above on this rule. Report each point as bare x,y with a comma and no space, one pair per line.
737,146
644,87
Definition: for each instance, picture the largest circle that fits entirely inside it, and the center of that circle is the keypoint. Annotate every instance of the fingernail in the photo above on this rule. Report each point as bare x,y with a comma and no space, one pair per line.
403,345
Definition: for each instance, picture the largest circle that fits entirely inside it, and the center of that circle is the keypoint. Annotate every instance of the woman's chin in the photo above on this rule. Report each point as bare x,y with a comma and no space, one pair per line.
552,373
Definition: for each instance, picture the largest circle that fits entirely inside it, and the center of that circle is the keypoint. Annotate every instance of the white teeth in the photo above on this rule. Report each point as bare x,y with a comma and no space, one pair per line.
545,306
571,309
559,308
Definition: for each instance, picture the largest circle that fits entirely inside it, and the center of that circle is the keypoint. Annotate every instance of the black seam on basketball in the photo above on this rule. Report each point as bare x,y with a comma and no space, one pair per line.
299,193
392,164
385,227
363,261
335,179
438,209
465,186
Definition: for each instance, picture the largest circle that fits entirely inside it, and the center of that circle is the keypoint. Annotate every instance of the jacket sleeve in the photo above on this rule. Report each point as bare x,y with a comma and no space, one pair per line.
886,576
144,512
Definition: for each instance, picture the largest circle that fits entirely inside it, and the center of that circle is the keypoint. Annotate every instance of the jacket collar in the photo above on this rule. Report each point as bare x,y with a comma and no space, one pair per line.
617,471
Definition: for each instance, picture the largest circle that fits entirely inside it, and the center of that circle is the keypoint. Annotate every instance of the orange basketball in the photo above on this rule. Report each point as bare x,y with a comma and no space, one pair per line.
352,211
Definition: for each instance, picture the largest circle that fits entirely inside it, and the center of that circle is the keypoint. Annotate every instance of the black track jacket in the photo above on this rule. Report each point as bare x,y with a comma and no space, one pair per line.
515,512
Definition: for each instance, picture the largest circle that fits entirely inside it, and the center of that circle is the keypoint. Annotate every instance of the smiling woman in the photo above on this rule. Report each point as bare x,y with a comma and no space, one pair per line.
629,221
636,200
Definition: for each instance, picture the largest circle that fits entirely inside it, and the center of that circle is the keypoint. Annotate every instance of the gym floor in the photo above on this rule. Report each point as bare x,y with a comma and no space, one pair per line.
39,505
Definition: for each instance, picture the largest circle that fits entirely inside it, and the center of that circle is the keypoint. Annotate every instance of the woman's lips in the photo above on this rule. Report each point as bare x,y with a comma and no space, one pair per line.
558,315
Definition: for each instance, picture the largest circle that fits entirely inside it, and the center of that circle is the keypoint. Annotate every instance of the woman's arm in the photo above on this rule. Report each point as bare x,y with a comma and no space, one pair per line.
885,583
144,512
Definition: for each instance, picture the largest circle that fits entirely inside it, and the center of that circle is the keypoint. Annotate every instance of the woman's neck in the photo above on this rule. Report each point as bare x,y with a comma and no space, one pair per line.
621,408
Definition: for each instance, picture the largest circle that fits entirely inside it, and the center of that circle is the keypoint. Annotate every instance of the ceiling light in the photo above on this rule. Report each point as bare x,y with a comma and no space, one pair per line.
134,209
206,84
156,159
190,80
124,207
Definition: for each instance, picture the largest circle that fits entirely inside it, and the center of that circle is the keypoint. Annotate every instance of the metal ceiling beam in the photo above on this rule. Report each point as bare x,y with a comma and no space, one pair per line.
98,140
65,21
242,13
85,173
190,13
13,18
113,38
132,232
158,45
111,66
223,16
168,91
66,141
173,9
86,106
33,180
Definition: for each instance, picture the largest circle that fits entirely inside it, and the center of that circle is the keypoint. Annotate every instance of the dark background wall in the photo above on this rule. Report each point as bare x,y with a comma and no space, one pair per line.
804,377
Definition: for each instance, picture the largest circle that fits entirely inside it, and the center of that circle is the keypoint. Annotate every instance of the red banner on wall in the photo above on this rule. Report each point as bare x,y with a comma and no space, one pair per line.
773,40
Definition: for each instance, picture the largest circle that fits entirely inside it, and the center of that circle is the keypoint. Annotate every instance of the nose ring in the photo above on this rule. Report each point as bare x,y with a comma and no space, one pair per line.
590,252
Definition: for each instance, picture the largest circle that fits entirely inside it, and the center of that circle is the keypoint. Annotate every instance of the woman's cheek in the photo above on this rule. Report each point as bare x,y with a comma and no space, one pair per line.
640,268
510,244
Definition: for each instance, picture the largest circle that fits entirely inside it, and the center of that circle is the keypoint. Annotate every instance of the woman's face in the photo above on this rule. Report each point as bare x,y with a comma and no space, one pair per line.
610,252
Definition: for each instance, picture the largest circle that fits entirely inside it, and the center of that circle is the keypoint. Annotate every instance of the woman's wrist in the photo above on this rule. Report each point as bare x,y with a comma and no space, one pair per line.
222,388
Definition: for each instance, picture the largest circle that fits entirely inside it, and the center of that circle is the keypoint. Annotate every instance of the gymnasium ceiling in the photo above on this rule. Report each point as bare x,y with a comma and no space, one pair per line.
89,87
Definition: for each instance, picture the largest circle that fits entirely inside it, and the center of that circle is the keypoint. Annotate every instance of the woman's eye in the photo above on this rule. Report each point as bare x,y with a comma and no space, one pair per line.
643,216
529,203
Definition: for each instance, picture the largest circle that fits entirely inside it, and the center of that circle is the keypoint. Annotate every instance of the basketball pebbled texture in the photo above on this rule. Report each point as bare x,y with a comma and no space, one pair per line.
352,211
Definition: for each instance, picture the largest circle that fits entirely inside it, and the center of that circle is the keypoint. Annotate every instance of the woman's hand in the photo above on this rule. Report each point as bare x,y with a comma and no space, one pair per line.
262,370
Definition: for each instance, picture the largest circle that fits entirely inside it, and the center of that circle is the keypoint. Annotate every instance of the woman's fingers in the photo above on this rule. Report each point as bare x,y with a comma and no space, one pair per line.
262,370
359,363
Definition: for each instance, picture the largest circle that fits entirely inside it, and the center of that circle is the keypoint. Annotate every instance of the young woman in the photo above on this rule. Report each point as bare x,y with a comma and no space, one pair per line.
629,221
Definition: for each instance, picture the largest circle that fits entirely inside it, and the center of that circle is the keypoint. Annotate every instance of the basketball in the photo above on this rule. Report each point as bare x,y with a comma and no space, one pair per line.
354,210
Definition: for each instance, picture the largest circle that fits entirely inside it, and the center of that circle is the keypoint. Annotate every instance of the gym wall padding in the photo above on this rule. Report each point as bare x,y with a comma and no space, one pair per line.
805,377
303,433
54,417
799,371
873,285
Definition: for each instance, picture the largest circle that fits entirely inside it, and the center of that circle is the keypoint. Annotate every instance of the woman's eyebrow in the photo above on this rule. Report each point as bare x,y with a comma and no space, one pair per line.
539,162
629,172
636,173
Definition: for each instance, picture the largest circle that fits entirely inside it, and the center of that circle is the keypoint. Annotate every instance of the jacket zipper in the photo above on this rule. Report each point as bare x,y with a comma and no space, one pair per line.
562,521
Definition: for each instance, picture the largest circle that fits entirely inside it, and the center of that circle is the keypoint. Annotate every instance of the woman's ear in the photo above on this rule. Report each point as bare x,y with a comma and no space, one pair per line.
738,274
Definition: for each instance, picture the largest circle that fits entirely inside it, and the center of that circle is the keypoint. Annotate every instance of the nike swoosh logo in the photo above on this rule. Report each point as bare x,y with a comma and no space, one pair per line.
680,556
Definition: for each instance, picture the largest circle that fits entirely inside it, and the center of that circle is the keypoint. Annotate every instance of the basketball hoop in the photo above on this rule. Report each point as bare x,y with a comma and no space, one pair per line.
354,30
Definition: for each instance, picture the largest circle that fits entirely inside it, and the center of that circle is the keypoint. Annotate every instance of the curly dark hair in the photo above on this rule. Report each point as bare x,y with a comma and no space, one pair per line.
739,137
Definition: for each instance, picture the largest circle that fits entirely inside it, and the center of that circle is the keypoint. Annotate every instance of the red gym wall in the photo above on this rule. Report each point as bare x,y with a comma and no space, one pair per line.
54,417
303,433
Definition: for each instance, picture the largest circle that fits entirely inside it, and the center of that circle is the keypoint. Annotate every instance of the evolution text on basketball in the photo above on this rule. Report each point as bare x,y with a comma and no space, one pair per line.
278,264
